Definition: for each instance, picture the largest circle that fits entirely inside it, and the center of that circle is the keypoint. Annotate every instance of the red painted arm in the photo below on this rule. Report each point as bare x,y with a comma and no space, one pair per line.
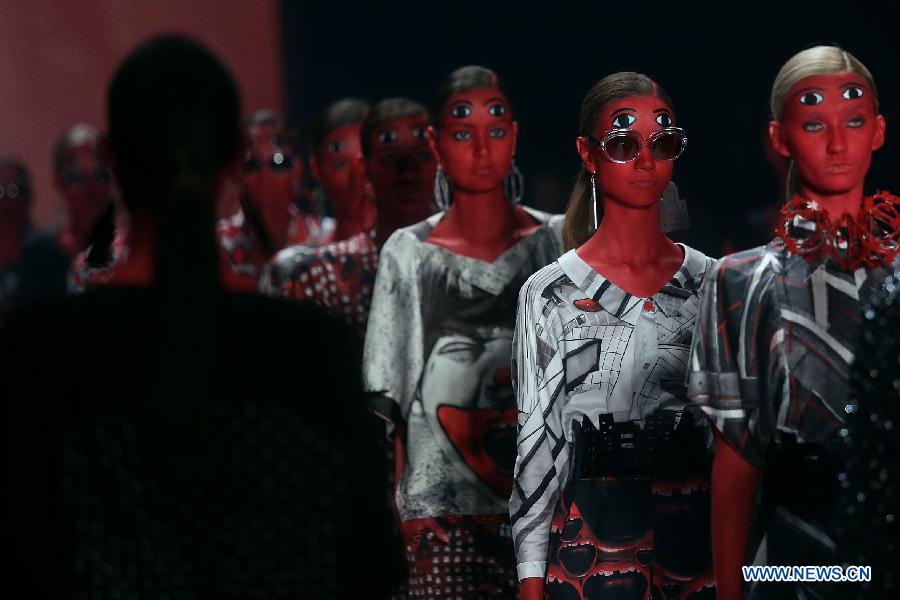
734,485
531,588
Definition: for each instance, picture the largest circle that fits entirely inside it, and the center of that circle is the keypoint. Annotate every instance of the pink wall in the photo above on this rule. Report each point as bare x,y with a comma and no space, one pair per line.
56,59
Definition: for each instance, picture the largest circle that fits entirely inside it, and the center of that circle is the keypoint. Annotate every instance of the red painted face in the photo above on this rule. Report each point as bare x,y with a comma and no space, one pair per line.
639,182
339,168
85,182
271,180
829,127
401,168
476,140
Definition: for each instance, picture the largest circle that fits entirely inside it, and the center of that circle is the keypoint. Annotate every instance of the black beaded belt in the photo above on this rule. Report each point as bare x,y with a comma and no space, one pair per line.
666,444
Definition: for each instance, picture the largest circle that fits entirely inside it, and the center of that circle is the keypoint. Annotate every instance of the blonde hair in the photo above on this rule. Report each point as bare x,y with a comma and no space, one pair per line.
818,60
577,227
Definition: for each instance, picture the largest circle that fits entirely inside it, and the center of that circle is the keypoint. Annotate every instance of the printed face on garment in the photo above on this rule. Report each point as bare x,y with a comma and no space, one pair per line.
476,140
634,182
340,169
401,168
467,394
829,127
271,180
85,182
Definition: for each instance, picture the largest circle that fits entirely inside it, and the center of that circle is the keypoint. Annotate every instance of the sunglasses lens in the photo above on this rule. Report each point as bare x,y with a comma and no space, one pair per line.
622,147
667,145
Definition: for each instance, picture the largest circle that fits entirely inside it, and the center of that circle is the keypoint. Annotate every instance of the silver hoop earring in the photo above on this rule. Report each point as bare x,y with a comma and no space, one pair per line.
441,189
514,184
594,217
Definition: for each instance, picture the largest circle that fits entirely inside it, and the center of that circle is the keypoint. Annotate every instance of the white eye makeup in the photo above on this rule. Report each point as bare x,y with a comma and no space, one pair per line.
419,133
852,93
460,111
812,98
497,110
664,119
624,120
387,137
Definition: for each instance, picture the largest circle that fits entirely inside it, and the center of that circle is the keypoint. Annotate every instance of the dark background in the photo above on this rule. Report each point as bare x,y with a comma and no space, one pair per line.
717,62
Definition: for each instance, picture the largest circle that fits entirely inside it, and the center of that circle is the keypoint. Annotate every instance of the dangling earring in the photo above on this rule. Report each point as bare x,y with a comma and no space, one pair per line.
441,189
594,218
514,184
319,201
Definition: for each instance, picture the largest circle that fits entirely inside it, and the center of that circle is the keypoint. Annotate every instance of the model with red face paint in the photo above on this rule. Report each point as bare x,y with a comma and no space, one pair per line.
338,275
95,233
778,326
337,165
270,218
611,494
84,180
398,164
438,344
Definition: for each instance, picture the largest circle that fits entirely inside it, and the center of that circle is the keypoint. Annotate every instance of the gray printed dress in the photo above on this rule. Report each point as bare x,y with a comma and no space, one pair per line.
611,494
771,359
437,354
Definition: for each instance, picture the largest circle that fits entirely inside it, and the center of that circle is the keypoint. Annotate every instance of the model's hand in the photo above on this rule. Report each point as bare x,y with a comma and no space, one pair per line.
531,588
417,528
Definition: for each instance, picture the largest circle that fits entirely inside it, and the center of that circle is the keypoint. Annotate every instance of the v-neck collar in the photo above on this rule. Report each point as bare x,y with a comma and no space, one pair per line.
493,276
620,303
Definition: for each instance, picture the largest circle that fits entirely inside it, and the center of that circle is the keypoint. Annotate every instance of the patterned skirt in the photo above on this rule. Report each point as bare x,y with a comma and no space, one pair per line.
477,562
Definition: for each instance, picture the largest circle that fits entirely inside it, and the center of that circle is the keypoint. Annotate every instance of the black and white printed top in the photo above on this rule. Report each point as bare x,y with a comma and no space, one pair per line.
584,348
437,350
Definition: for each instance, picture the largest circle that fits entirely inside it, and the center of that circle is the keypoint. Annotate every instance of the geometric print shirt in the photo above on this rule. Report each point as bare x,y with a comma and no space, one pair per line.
583,348
771,360
776,336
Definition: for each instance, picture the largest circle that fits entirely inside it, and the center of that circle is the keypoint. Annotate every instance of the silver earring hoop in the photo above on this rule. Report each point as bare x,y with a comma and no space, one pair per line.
441,189
594,216
514,184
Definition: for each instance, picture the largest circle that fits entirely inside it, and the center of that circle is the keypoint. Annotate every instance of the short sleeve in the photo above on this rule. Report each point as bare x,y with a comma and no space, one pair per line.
542,455
290,275
394,347
733,352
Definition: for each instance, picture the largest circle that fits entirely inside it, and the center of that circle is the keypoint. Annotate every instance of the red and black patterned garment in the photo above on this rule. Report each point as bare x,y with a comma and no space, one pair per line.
338,276
241,247
771,360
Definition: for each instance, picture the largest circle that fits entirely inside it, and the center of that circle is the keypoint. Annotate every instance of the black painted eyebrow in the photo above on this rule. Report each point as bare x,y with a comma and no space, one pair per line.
849,83
617,111
665,110
462,102
806,89
486,102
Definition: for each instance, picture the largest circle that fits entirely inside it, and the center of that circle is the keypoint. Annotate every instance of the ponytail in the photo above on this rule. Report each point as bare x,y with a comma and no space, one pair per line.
577,227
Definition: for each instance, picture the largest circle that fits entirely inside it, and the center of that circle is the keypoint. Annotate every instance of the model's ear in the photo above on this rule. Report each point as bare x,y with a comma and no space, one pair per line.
583,146
776,138
880,127
432,135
